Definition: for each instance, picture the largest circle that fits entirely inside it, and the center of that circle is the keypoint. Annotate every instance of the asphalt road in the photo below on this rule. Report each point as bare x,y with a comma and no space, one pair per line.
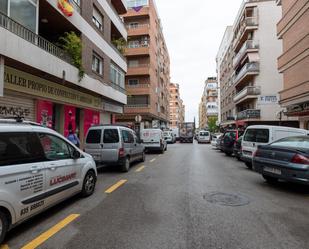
190,197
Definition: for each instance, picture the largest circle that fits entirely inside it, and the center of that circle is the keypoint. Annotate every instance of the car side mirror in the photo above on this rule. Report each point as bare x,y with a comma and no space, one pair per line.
76,154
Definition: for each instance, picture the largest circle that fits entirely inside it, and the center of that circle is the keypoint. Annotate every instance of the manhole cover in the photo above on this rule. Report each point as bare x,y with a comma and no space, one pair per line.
226,199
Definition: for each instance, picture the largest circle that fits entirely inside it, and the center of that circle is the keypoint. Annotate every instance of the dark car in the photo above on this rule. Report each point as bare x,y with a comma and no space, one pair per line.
229,139
286,159
237,148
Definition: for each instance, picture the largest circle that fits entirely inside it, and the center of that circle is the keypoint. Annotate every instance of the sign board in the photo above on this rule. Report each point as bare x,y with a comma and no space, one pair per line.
138,118
1,75
298,110
113,108
268,100
26,83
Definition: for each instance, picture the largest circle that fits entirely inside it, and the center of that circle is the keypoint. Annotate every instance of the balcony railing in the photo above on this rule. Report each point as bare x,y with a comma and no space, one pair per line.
247,45
246,23
139,66
138,86
138,106
141,45
251,67
137,26
248,114
249,90
28,35
117,87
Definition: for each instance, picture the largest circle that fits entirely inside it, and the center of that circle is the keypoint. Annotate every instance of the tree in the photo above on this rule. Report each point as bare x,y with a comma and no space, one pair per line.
212,124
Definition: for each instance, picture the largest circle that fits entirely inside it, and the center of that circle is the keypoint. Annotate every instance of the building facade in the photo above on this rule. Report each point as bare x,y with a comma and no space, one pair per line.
293,63
148,76
255,82
225,73
177,108
202,113
40,80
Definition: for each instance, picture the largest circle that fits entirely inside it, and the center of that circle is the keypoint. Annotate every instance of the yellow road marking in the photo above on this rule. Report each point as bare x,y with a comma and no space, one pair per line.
4,247
51,232
152,160
115,186
140,168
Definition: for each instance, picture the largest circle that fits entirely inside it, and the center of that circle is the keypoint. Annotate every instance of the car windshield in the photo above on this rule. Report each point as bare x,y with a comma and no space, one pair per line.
293,142
204,134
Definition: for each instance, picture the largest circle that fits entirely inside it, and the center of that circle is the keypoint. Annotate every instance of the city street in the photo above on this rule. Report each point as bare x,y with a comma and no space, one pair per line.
190,197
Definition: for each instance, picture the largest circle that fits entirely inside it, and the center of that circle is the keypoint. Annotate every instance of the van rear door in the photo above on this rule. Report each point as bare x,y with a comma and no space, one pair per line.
111,145
94,145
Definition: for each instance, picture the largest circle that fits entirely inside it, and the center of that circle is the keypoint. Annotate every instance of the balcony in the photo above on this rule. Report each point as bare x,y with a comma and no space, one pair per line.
246,25
247,92
137,50
138,108
139,89
212,112
249,114
247,71
141,69
138,30
19,30
248,46
120,6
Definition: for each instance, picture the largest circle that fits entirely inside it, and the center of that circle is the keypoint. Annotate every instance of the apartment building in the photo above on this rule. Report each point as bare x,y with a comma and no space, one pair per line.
211,93
256,79
177,108
208,106
226,88
148,76
45,83
293,63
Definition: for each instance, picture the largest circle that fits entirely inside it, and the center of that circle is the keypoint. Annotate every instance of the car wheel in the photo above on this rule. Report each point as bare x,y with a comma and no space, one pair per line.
125,167
270,179
143,159
89,184
249,165
4,225
228,153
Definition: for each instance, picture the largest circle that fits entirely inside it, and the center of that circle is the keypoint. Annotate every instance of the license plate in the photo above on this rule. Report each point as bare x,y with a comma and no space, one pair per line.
272,170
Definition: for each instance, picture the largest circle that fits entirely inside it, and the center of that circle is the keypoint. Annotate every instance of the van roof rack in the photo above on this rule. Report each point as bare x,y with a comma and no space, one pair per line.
121,125
18,120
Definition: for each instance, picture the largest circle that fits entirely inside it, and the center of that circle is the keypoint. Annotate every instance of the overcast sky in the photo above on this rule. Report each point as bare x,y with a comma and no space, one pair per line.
193,31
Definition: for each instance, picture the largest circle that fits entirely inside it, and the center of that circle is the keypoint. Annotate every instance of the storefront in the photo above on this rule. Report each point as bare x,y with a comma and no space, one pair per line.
301,111
50,104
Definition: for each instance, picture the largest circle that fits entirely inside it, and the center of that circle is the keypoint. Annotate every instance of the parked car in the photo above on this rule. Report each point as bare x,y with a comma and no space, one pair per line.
114,145
286,159
153,140
229,139
38,169
203,137
264,134
237,148
214,140
220,145
169,138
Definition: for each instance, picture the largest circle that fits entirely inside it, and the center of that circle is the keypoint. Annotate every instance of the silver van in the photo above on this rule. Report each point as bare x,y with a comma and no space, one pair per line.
114,145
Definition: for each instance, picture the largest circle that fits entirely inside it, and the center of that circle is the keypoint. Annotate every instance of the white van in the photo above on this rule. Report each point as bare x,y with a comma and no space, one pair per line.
256,135
203,137
38,169
153,139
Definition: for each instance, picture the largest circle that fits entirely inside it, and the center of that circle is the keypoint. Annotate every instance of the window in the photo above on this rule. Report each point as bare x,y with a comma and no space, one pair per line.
110,136
133,82
24,12
117,75
20,148
127,137
137,3
133,63
94,137
138,100
257,135
97,18
97,64
4,6
133,25
54,147
133,44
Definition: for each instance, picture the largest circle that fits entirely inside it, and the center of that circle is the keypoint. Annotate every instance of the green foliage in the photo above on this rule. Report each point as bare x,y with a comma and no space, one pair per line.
120,44
72,44
212,124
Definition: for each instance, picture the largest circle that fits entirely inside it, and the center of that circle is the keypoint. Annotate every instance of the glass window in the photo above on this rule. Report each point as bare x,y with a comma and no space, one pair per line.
127,136
294,142
117,75
4,6
94,137
24,12
97,19
137,3
97,64
132,82
257,135
54,148
111,136
20,148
